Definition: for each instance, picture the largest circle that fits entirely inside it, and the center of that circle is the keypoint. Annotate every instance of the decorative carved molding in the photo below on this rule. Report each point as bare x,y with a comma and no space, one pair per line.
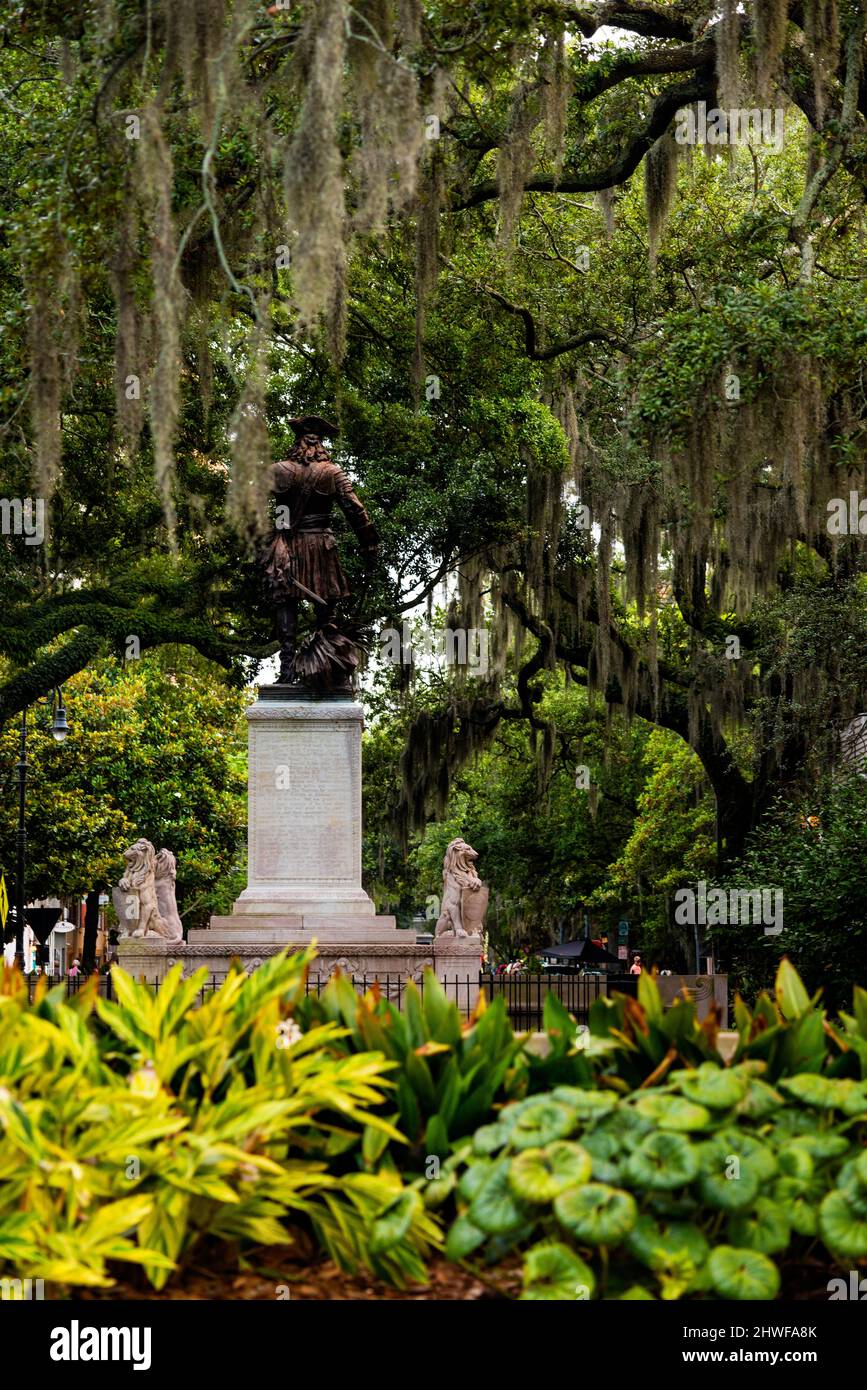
324,952
349,967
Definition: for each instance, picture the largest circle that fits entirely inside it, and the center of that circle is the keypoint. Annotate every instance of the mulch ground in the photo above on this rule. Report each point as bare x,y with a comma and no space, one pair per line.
310,1277
301,1273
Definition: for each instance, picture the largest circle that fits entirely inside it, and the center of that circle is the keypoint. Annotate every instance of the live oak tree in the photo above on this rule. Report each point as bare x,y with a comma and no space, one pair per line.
544,844
609,381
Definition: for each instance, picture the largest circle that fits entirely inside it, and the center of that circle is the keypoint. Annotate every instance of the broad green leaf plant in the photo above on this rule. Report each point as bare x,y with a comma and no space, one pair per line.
702,1180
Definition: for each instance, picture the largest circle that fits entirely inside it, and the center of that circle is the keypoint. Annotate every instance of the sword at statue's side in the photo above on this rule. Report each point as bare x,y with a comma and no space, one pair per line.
309,592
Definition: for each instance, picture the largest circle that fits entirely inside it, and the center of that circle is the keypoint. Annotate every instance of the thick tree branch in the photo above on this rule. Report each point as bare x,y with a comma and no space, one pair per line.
652,21
601,77
733,792
701,87
546,354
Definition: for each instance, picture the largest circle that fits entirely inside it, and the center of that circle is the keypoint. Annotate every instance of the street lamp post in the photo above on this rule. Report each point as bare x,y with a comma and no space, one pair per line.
59,730
22,845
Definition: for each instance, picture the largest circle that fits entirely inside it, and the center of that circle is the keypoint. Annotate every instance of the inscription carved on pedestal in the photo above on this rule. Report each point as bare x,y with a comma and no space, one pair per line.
304,805
309,831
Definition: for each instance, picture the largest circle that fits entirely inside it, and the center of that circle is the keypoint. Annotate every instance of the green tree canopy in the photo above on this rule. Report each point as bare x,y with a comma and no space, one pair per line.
607,380
156,749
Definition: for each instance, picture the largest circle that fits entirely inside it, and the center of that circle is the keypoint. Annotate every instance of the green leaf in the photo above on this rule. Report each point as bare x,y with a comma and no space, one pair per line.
437,1137
824,1092
649,997
766,1227
790,991
557,1022
541,1121
796,1163
743,1274
587,1104
673,1112
463,1238
713,1086
627,1128
662,1162
602,1149
554,1272
750,1152
860,1168
760,1101
114,1219
442,1017
821,1146
539,1175
473,1179
392,1225
728,1194
859,1004
842,1227
435,1191
490,1138
659,1247
803,1216
374,1142
494,1208
597,1214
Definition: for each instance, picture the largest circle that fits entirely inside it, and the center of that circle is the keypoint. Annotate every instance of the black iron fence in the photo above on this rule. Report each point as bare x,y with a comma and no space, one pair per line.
524,994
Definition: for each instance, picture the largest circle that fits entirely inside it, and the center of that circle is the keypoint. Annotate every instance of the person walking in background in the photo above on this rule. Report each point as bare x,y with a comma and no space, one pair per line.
635,967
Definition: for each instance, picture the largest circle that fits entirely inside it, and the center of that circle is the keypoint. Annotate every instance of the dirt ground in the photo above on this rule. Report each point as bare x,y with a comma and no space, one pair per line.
278,1273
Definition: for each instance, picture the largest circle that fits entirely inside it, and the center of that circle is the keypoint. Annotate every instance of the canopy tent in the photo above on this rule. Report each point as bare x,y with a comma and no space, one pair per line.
583,952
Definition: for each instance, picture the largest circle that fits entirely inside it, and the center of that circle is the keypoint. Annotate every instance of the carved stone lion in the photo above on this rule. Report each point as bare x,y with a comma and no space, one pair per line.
465,897
165,873
135,896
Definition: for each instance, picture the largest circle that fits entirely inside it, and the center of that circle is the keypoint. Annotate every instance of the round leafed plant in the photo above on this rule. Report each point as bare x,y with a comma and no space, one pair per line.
597,1214
743,1274
842,1227
554,1272
662,1162
540,1122
712,1086
766,1227
494,1209
540,1175
673,1112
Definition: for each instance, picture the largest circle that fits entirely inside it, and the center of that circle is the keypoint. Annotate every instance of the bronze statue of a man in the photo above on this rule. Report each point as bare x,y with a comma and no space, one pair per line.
301,562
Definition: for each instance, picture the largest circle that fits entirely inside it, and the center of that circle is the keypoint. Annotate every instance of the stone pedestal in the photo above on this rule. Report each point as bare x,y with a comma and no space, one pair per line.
304,866
304,799
144,957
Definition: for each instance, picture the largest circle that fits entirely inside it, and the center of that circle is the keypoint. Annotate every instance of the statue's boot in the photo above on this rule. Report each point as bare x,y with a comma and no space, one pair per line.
334,651
325,614
287,626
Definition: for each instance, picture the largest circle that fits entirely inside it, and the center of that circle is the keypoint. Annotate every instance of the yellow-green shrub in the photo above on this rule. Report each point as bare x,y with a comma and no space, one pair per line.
132,1129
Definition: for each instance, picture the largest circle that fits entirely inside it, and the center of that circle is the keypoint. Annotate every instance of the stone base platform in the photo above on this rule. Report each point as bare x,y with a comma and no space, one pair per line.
391,961
304,866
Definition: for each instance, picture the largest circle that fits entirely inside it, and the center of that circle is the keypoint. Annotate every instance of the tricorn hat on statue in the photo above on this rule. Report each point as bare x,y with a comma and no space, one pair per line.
313,424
